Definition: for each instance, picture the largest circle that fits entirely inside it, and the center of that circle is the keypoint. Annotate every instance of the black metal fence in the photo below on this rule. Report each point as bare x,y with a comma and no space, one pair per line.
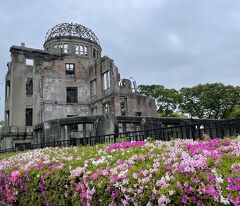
196,131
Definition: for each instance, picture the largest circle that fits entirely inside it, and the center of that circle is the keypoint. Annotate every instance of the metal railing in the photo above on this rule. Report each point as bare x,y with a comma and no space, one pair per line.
164,134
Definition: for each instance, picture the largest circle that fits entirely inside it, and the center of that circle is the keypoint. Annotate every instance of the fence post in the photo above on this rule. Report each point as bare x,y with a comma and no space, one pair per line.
146,134
210,131
182,133
229,128
155,134
163,134
216,128
90,139
116,131
193,132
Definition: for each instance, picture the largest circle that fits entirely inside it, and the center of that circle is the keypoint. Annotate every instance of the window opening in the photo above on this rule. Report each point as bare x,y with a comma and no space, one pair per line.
106,80
29,62
29,87
76,49
7,88
29,116
72,95
81,50
65,48
123,105
85,51
94,53
106,108
70,68
138,114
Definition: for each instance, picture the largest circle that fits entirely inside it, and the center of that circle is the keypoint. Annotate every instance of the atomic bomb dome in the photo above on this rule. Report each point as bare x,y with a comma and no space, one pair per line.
68,91
70,30
72,38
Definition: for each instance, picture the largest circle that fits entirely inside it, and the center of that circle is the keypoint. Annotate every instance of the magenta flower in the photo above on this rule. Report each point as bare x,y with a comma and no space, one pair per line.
211,191
210,178
14,176
184,199
234,184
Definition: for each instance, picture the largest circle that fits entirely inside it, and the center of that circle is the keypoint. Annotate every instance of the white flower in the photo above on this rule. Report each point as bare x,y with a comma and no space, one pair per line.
167,177
214,171
122,173
171,192
219,180
224,201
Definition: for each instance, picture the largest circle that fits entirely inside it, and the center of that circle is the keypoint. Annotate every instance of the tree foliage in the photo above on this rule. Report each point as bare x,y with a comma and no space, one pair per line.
235,114
166,99
211,101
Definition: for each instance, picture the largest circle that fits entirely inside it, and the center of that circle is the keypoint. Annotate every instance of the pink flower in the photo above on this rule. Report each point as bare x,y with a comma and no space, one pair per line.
146,180
41,185
211,191
78,187
135,175
76,172
235,168
123,145
200,203
163,199
210,178
184,199
57,166
105,172
112,179
188,190
14,176
162,183
46,203
94,176
234,184
179,185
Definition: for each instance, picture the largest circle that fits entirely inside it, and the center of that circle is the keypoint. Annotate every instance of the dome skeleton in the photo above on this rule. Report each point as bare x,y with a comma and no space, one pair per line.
71,30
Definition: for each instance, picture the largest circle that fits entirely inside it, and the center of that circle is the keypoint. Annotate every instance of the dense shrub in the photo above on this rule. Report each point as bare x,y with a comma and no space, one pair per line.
179,172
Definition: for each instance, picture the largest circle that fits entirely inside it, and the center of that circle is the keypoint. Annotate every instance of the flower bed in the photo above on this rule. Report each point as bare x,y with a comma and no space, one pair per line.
179,172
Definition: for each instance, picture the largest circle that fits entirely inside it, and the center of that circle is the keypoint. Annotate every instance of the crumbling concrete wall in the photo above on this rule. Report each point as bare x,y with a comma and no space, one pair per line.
41,92
55,82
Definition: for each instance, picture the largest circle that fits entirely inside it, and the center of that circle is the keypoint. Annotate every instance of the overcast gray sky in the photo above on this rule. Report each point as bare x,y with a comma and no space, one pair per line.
176,43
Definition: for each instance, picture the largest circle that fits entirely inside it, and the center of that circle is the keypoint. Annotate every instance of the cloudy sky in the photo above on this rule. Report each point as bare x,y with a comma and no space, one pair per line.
176,43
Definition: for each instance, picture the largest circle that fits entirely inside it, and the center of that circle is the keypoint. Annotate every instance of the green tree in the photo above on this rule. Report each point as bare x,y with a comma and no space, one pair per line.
166,99
213,101
235,114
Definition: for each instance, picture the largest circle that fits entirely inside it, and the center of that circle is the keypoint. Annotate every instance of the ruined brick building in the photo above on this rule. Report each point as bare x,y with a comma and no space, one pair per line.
68,87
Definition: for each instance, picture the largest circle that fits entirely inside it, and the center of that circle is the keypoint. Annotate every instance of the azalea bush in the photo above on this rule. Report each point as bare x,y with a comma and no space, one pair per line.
178,172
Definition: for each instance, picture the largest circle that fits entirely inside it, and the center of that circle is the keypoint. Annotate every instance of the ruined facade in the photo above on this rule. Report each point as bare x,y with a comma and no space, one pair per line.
69,82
